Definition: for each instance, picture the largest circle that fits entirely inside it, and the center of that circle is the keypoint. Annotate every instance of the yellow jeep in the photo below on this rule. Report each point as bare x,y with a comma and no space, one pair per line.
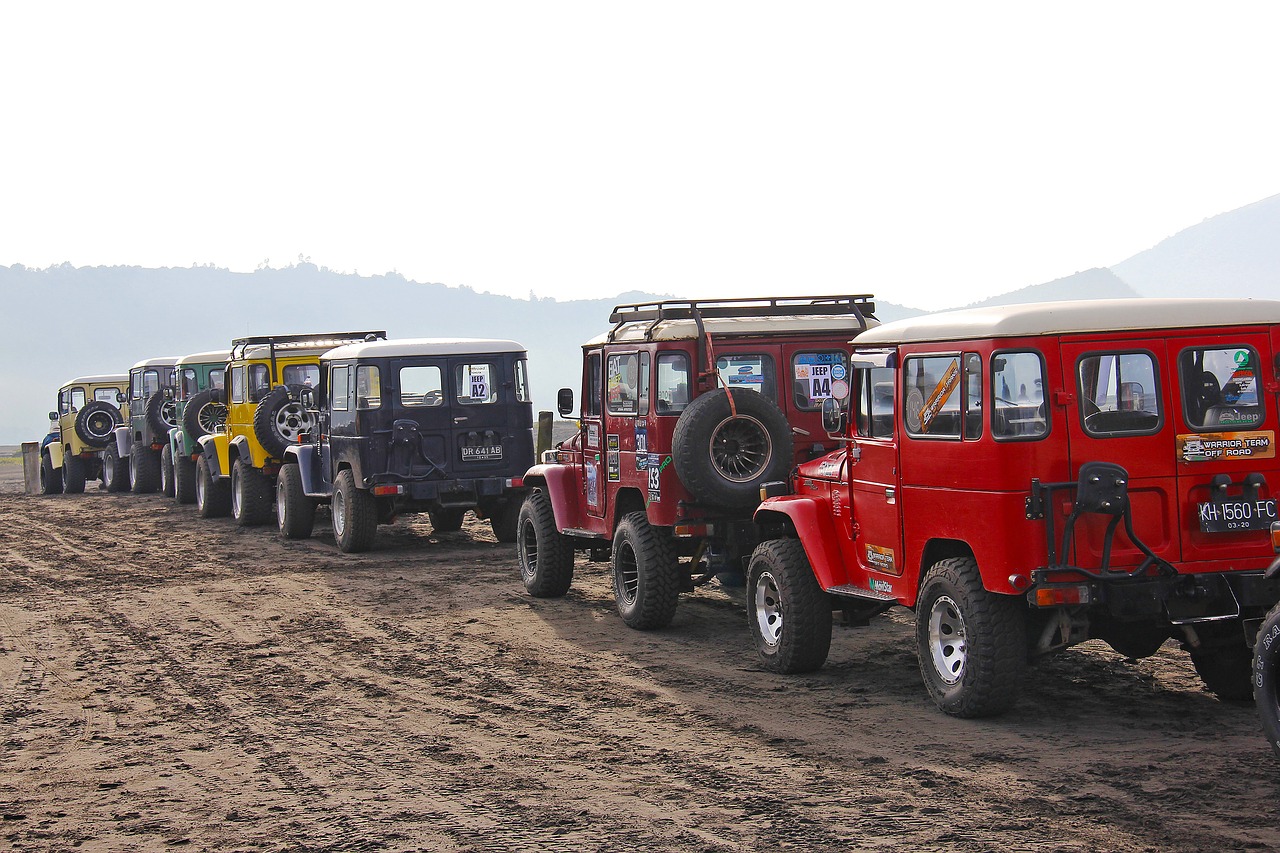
237,467
83,425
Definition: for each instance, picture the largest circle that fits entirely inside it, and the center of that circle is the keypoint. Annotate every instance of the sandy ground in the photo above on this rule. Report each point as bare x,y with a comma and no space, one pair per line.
167,681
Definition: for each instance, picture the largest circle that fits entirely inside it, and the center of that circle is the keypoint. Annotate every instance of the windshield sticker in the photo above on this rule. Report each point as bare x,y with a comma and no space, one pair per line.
941,392
882,559
1211,446
839,389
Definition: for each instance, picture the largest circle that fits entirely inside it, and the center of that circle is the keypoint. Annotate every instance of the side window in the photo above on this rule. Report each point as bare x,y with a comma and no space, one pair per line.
522,381
875,402
1119,394
217,379
932,398
475,384
259,381
64,402
339,387
972,396
190,384
135,385
421,386
672,383
238,385
368,387
150,382
625,387
591,394
77,398
813,374
751,371
1220,387
1018,410
301,374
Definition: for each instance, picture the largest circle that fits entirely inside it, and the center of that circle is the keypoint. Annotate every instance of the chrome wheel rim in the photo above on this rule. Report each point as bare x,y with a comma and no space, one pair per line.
740,448
199,491
292,421
528,544
948,641
626,574
280,503
768,609
169,413
236,483
339,510
211,416
99,425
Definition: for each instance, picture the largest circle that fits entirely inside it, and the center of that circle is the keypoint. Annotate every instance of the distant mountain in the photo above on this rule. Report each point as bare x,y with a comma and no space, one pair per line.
1232,254
1090,284
65,321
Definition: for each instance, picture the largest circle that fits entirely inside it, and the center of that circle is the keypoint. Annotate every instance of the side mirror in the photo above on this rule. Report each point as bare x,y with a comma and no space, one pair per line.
564,401
168,393
833,420
120,397
53,416
307,397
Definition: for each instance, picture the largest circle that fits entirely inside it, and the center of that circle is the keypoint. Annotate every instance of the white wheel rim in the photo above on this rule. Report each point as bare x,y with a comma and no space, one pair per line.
236,484
339,510
292,421
768,609
948,641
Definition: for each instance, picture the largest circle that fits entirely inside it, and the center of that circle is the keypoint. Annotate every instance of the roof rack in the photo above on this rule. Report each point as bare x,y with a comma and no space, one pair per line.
285,342
860,306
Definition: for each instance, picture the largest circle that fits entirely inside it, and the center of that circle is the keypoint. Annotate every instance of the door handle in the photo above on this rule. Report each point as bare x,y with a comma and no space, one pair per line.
889,494
460,419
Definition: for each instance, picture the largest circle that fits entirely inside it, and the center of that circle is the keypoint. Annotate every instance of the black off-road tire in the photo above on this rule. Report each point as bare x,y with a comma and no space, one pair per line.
278,420
50,477
505,521
144,469
250,495
203,412
788,611
972,644
1266,677
723,460
447,519
213,497
545,554
1225,665
167,487
73,472
161,415
96,422
355,514
295,512
115,471
646,578
184,480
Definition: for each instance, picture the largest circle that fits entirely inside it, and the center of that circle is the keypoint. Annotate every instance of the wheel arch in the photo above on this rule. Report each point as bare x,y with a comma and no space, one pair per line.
803,519
558,483
936,550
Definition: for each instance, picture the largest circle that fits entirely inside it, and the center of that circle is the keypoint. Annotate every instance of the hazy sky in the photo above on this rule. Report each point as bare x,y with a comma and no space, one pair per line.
931,152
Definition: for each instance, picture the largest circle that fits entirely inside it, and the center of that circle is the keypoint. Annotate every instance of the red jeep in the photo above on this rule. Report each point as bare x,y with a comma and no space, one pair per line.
1032,476
687,408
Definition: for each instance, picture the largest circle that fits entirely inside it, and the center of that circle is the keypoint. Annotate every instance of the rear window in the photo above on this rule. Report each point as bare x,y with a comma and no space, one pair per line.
475,384
750,371
106,395
301,374
421,386
815,374
1119,394
1220,387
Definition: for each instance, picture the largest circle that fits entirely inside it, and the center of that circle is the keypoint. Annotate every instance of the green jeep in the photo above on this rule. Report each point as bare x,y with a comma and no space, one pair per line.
81,427
199,409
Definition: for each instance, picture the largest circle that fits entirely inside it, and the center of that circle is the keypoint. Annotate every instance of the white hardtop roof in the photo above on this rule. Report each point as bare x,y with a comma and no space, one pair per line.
213,356
1060,318
165,361
423,346
638,331
100,379
262,352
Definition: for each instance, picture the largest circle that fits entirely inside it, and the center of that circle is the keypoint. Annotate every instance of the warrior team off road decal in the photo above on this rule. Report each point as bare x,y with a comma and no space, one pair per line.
1210,446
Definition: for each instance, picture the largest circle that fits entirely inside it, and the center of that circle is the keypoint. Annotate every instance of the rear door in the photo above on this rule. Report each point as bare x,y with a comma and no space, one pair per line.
422,395
482,395
1226,445
1123,413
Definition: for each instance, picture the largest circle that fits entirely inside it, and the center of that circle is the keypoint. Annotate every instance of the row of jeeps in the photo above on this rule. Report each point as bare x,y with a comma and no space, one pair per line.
1023,478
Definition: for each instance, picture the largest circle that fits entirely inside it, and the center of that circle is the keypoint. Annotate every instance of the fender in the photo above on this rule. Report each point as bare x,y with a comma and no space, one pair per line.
561,486
175,442
305,457
817,533
124,441
242,450
215,456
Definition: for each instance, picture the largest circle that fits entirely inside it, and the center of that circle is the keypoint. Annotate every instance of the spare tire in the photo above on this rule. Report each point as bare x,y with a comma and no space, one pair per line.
204,413
95,422
279,421
721,459
161,414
